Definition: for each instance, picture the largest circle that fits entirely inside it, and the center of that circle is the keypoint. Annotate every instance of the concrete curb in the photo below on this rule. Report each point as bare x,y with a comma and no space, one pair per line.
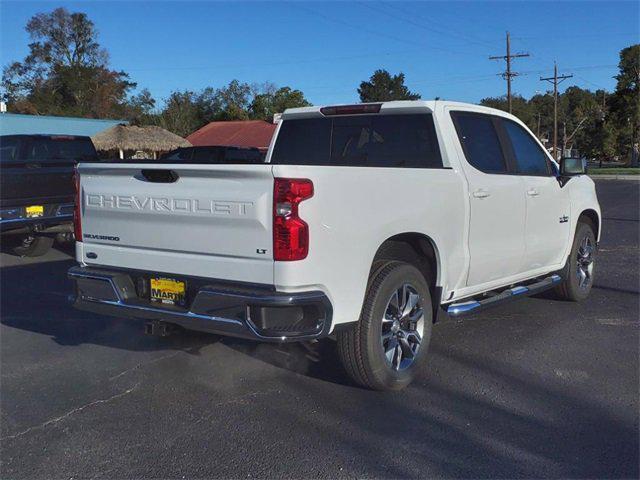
615,177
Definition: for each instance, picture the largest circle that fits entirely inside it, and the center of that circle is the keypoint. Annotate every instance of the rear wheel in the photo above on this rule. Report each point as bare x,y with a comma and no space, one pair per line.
579,271
389,343
33,246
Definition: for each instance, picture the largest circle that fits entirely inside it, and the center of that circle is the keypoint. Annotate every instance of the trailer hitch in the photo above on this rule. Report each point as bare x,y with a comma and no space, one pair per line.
160,329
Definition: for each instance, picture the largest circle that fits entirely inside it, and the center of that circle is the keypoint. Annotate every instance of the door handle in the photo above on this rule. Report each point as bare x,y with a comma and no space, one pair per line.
532,192
481,193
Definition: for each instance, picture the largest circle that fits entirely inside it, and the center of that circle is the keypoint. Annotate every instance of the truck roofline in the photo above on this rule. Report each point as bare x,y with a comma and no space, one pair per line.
396,106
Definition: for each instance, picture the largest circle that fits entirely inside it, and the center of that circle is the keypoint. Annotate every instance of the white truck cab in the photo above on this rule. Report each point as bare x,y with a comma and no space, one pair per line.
363,221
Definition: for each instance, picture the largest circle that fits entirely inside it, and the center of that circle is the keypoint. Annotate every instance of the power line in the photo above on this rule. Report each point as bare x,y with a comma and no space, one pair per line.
379,33
420,25
555,80
276,63
508,74
361,28
448,31
598,35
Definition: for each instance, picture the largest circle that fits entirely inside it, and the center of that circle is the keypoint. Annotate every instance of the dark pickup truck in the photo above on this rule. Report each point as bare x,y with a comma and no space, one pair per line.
214,154
36,188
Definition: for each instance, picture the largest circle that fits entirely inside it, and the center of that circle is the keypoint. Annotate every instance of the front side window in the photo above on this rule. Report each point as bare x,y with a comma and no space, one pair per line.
530,158
480,141
360,140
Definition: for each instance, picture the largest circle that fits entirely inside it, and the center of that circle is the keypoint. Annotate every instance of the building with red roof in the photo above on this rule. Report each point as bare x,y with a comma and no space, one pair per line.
238,133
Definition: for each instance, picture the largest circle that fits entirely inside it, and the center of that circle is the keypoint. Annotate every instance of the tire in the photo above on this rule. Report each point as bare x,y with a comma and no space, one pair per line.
33,246
578,273
406,340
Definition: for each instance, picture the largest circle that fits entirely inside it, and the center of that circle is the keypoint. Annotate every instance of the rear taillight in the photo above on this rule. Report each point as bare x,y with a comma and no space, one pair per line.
290,232
77,223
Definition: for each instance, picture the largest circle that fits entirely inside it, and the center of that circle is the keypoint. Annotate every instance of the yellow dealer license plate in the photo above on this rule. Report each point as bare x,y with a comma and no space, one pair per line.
168,291
34,211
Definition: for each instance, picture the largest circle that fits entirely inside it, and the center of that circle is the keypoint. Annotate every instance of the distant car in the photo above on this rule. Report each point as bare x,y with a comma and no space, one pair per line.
215,154
37,189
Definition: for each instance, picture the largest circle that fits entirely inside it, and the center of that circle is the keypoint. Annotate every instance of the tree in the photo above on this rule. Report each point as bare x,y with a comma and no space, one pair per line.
183,114
625,102
139,108
228,103
272,101
383,87
520,108
66,71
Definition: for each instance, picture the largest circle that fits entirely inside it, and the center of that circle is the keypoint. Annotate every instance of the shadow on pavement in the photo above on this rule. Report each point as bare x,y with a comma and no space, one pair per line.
461,433
50,313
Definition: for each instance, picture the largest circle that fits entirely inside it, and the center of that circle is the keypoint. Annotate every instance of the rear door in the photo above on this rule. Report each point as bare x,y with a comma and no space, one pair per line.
547,226
212,221
497,205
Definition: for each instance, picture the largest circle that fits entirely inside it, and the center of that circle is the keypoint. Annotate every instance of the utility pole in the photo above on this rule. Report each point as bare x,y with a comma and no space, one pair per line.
555,80
508,74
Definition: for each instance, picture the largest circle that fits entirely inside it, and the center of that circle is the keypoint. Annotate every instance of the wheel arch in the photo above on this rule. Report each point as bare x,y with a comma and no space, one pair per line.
592,217
421,245
419,250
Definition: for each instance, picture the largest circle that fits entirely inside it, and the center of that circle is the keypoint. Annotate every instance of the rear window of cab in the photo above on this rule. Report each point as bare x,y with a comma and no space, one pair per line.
398,141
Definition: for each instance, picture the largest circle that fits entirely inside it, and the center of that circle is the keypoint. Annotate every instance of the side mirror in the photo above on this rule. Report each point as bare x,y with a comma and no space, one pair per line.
570,167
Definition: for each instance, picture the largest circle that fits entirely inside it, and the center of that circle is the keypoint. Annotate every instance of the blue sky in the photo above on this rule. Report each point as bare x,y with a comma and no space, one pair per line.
326,48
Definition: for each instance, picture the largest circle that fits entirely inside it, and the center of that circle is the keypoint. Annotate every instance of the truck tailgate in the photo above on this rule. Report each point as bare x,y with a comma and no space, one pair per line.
213,221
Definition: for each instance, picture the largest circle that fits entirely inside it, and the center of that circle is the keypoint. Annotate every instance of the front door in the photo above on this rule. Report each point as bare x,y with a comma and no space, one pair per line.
547,228
497,203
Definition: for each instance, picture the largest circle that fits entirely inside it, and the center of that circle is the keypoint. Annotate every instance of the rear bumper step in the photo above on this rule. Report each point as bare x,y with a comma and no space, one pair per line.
472,306
233,310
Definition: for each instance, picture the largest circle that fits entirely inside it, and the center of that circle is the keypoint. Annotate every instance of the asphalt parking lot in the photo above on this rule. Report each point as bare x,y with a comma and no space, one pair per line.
536,388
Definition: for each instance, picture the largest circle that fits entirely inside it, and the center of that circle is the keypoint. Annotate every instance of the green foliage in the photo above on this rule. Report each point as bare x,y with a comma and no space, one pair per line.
228,103
187,111
625,102
272,101
183,114
66,71
581,119
139,109
599,124
614,171
383,87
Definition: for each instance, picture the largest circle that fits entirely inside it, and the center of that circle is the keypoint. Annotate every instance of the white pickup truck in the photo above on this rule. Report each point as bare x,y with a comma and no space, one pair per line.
363,221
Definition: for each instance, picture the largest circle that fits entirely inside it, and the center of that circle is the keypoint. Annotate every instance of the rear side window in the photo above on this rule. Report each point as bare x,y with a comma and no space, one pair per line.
181,155
360,140
59,148
530,158
303,142
479,139
210,155
9,148
246,156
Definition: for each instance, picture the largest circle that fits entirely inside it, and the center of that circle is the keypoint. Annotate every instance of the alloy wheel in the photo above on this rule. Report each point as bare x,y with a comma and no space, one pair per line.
402,327
584,263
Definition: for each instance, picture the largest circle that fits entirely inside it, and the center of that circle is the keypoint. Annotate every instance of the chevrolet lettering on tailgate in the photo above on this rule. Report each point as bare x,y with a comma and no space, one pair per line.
168,204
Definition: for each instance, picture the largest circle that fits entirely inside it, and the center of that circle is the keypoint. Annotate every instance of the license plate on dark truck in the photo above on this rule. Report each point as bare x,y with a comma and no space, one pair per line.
168,291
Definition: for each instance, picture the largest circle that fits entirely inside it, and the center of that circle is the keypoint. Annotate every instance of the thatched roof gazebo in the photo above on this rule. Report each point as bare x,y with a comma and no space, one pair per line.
131,137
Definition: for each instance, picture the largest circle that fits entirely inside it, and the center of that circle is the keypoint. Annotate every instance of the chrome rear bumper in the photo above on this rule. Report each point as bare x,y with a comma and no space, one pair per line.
257,312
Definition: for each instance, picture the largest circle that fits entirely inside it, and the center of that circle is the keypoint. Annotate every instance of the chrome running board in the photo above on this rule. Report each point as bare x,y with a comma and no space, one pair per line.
472,306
